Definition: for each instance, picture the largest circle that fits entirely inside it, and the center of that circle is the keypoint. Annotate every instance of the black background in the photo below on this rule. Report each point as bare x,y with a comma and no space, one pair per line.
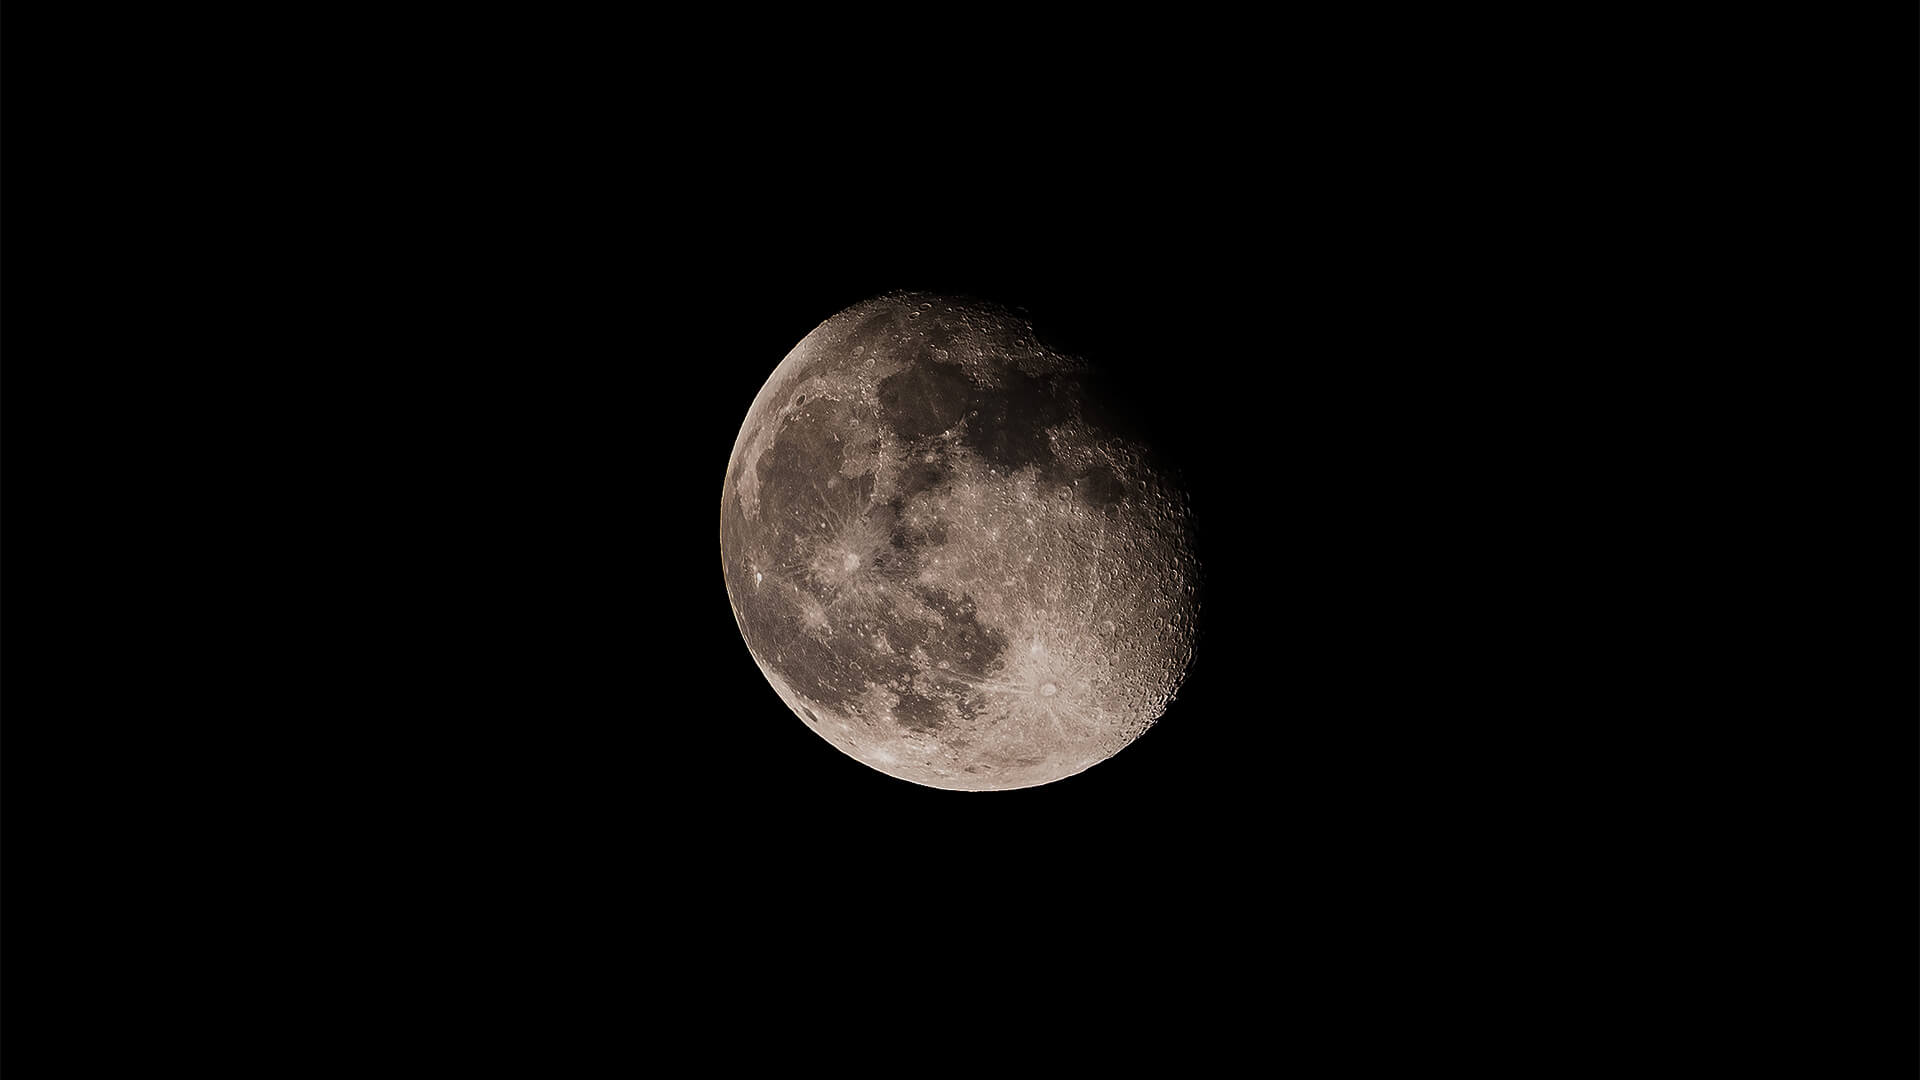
1459,516
1458,532
594,708
409,576
1180,310
1317,365
1198,347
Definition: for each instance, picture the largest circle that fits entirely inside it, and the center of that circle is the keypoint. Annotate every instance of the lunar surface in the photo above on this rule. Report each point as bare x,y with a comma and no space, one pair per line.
945,555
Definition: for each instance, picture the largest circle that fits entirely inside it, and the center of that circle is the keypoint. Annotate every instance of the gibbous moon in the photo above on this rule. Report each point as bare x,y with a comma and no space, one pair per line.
945,556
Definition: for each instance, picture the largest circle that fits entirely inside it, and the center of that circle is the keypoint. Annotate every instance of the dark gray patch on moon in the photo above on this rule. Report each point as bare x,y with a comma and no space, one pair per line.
1102,487
924,399
942,561
1010,424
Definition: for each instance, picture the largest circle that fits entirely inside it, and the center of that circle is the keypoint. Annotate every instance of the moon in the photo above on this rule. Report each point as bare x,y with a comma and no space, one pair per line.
948,556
